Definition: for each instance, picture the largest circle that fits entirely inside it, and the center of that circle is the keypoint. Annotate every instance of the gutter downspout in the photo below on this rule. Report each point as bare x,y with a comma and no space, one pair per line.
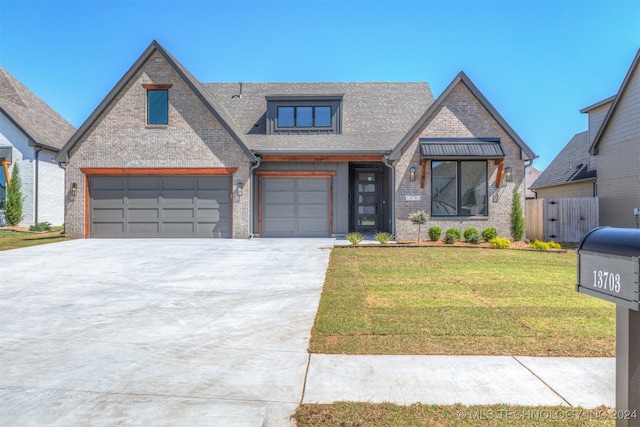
527,164
385,160
35,215
253,168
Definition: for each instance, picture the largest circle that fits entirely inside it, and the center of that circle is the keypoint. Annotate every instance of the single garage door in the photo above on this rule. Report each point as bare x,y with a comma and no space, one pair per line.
160,206
295,207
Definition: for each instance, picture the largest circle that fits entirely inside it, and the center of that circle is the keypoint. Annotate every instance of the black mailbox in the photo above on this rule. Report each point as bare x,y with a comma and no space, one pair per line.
609,265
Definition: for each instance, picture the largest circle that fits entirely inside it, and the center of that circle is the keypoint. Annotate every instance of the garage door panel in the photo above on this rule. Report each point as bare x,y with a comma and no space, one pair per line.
178,183
295,207
143,183
169,206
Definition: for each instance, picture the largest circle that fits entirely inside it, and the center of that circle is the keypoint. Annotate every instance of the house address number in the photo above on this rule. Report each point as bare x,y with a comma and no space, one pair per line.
607,280
413,198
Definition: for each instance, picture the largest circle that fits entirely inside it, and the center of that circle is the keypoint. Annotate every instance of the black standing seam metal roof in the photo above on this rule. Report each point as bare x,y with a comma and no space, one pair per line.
5,153
460,149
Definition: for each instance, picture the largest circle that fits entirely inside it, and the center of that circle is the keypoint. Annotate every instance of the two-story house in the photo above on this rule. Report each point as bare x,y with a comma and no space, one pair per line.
165,155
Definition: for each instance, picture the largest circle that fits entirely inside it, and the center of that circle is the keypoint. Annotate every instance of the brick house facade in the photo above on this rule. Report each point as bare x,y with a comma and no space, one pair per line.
278,160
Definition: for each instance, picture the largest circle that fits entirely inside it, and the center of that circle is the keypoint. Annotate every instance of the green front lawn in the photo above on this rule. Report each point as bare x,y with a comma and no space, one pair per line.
459,301
22,239
386,414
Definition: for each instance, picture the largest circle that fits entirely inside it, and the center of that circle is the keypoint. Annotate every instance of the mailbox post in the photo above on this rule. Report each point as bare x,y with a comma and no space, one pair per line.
609,268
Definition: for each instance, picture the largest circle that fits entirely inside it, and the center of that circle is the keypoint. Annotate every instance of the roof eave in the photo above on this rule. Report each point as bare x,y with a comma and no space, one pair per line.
32,141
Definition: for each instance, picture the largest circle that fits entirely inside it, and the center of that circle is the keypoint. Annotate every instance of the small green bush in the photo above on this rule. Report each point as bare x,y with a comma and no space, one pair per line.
500,243
434,233
40,226
554,245
489,233
383,237
452,235
355,238
468,232
473,238
419,218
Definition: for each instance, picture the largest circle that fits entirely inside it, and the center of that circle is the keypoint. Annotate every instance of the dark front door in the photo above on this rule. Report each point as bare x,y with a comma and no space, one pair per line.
366,207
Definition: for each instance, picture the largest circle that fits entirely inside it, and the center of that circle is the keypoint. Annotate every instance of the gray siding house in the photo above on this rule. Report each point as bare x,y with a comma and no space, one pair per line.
31,135
165,155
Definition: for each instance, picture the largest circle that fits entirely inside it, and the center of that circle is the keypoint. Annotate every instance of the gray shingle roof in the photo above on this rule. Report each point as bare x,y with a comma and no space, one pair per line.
570,165
375,116
31,114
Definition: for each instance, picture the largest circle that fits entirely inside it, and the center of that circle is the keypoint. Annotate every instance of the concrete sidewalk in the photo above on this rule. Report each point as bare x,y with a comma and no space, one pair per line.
469,380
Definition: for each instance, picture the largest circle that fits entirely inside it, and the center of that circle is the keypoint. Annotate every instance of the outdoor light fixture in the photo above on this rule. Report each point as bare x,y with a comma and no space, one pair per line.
412,173
508,173
239,189
74,189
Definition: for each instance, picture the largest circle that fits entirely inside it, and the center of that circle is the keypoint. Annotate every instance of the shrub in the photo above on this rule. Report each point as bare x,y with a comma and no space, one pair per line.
489,233
435,232
40,226
538,245
419,218
500,243
469,232
355,238
13,202
383,237
517,217
452,235
473,238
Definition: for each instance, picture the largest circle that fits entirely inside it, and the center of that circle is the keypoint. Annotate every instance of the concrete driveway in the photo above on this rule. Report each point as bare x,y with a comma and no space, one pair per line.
157,332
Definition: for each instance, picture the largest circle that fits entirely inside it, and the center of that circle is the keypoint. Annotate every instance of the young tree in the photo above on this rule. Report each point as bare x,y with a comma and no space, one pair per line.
517,217
13,202
419,218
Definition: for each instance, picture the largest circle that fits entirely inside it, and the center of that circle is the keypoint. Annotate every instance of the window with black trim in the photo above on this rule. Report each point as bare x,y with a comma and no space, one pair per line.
459,188
304,114
304,117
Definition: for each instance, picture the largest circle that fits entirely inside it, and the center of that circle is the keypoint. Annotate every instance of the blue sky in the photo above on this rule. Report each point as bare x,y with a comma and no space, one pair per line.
538,62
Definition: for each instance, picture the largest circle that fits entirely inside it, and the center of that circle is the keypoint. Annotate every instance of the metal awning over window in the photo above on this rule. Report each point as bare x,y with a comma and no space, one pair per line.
461,148
5,154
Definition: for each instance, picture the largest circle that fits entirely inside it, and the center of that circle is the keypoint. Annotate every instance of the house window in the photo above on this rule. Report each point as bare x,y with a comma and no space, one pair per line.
459,188
304,117
157,107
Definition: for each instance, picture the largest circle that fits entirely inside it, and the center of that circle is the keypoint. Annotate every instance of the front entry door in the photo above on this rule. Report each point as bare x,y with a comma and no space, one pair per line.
366,201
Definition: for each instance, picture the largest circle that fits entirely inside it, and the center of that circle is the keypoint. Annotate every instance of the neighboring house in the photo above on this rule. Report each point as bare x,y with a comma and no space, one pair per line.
165,155
616,148
531,175
31,134
570,174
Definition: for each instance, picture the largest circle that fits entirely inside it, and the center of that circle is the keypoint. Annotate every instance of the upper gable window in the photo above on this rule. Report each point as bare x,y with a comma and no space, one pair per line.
299,115
304,117
157,104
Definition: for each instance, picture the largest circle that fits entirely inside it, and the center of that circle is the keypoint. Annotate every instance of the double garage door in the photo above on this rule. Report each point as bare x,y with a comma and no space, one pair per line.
296,207
160,206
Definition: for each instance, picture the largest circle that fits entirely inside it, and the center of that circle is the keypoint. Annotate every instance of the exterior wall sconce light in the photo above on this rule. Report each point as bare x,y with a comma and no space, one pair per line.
508,174
412,173
74,189
239,189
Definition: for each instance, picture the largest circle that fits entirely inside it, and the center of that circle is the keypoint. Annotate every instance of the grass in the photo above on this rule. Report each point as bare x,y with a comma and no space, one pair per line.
459,301
349,414
22,239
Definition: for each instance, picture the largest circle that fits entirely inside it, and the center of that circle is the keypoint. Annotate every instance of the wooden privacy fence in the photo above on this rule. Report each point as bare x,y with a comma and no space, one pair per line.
565,220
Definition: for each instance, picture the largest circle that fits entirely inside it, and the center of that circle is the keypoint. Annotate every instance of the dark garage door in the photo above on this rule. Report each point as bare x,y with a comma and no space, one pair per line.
160,206
295,207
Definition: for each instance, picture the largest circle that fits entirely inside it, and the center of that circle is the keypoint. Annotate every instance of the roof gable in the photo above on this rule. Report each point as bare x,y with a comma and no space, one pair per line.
205,97
37,120
527,153
616,101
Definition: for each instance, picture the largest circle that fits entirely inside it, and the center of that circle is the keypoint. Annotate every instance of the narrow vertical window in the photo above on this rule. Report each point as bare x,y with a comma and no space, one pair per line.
158,107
